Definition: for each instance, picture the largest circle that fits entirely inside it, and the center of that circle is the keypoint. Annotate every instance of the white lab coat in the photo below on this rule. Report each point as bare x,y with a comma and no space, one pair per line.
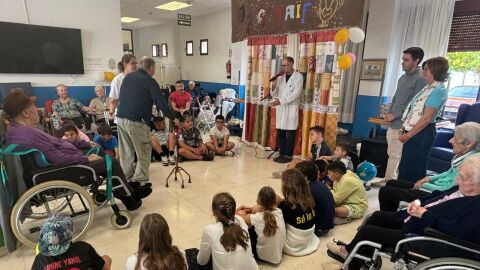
288,93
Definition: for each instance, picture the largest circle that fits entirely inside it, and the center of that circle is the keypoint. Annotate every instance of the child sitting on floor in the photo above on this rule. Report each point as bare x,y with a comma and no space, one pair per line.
57,251
163,142
348,193
219,136
323,173
191,143
341,154
107,141
70,134
155,248
266,226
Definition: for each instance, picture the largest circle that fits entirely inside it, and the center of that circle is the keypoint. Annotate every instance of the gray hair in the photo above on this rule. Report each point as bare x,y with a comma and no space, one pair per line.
472,163
145,63
191,82
470,132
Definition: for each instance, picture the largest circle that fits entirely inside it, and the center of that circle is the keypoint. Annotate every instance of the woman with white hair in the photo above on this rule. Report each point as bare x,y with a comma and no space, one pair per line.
453,212
465,142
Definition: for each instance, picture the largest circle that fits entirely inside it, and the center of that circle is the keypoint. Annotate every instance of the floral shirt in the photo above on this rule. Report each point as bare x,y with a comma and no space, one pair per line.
69,110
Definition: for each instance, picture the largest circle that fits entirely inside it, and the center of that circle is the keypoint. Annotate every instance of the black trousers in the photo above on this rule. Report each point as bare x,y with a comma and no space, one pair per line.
381,227
396,191
286,141
415,153
100,168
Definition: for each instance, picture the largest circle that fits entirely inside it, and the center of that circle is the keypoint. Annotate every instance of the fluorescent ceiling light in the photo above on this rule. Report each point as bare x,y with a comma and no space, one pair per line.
174,5
128,19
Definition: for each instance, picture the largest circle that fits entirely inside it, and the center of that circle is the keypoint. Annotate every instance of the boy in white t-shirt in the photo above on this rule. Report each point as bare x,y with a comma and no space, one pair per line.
219,136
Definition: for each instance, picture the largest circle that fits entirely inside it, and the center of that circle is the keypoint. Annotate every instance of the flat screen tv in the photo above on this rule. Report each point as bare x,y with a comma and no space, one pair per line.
26,48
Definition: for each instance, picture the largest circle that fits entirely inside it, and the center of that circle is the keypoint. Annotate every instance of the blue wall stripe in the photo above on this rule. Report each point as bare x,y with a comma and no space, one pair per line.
367,106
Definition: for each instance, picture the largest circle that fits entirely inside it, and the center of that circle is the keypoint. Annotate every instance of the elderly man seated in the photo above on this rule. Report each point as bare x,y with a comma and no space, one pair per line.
100,105
23,119
453,212
465,142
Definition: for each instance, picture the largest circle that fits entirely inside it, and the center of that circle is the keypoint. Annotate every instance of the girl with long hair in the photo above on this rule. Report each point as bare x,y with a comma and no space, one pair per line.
127,65
227,240
267,228
155,249
299,214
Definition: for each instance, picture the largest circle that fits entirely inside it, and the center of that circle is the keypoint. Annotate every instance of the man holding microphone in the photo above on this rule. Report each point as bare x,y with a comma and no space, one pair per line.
286,98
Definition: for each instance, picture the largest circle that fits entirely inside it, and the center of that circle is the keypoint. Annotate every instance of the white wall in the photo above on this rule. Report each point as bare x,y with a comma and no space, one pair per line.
99,22
208,68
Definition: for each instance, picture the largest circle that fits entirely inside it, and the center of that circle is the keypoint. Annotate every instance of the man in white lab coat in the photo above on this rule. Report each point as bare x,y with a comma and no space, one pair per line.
286,93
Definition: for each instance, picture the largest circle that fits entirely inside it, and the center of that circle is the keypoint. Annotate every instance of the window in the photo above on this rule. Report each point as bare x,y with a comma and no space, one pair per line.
155,50
127,41
189,48
203,46
164,50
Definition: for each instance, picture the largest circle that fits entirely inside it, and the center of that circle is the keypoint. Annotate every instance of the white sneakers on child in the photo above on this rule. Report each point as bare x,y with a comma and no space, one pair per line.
171,159
165,161
229,153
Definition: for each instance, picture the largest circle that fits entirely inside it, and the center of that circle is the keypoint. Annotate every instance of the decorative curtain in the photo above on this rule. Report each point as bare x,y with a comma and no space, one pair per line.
265,54
319,100
417,23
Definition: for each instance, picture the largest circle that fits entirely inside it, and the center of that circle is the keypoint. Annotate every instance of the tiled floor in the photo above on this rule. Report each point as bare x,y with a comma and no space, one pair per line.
188,210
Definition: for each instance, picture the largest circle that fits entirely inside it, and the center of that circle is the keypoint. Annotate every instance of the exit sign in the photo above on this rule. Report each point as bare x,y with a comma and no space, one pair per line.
184,23
185,17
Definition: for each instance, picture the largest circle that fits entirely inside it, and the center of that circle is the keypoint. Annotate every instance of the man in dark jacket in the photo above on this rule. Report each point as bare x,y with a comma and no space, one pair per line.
138,93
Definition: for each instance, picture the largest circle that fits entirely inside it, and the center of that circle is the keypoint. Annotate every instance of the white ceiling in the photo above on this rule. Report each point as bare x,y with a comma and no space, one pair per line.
147,13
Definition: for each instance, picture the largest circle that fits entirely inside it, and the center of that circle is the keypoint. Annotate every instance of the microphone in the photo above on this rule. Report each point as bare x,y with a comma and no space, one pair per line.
278,75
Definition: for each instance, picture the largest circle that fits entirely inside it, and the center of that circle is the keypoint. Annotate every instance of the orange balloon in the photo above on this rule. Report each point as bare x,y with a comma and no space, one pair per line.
108,76
341,36
344,61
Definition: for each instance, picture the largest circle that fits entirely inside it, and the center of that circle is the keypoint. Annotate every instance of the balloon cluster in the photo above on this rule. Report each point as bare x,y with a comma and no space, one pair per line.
355,35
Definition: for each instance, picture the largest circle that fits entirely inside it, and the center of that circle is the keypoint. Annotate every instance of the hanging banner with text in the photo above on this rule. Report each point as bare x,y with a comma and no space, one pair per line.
253,17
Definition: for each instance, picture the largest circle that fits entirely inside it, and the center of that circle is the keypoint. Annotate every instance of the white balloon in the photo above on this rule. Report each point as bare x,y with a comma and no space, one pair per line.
356,35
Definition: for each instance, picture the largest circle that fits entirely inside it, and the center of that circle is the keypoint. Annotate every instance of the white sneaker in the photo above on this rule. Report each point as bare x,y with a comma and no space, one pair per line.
164,160
171,159
229,153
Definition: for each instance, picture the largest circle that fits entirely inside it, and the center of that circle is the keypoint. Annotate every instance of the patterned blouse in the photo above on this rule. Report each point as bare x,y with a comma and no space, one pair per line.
69,110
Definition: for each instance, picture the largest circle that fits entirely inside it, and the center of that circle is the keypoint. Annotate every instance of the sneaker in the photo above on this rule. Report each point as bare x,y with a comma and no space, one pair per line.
164,160
284,159
207,157
277,174
131,204
141,192
277,158
229,153
341,221
331,266
171,160
136,184
334,251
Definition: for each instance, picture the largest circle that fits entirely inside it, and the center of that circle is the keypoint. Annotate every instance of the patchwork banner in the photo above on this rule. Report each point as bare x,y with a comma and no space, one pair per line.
253,17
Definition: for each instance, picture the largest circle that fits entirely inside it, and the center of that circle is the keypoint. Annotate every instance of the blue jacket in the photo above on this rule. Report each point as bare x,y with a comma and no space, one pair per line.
458,218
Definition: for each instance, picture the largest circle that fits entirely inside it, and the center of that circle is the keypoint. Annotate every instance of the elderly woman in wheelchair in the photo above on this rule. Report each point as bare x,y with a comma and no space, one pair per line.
53,159
451,215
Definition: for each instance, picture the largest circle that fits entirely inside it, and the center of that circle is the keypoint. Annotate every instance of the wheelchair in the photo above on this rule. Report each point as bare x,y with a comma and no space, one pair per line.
434,251
47,194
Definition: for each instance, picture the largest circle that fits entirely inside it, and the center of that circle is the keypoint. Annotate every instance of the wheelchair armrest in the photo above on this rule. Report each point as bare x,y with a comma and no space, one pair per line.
437,234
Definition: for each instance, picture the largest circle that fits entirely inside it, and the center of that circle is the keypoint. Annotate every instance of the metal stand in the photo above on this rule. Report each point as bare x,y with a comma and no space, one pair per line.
177,170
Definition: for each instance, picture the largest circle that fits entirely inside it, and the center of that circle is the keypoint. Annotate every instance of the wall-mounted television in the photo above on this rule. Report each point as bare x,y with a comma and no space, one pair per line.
26,48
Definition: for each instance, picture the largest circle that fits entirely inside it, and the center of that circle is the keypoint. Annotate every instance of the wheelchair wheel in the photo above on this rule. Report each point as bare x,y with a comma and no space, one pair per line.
122,220
46,199
452,263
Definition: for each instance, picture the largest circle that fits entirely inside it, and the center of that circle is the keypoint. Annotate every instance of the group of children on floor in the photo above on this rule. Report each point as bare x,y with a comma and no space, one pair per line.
347,191
190,142
240,237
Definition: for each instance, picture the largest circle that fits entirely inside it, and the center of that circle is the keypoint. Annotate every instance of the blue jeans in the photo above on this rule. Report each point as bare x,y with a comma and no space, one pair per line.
415,154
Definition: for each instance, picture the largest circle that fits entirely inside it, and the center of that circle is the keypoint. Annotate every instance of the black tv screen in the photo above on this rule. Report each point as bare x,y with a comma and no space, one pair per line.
26,48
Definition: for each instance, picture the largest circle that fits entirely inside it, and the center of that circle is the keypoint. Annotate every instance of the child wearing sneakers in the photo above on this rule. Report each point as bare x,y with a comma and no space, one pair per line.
191,146
107,141
163,142
348,193
219,135
341,154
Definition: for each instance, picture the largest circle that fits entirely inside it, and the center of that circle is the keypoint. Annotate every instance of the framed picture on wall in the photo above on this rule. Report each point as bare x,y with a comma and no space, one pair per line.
164,50
373,69
203,46
189,48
